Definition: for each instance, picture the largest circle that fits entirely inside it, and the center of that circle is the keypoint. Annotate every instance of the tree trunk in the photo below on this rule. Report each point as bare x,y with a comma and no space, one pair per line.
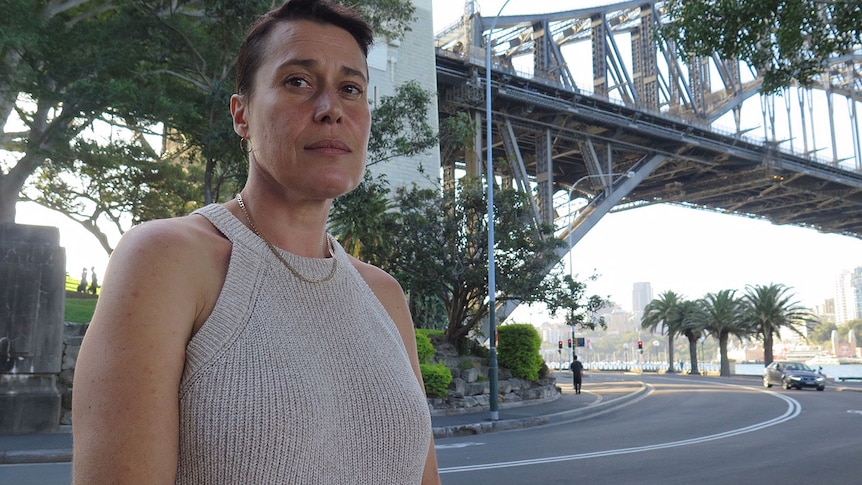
722,349
670,352
767,348
692,352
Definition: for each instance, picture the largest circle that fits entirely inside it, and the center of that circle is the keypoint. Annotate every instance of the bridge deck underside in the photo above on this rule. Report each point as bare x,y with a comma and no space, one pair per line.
704,169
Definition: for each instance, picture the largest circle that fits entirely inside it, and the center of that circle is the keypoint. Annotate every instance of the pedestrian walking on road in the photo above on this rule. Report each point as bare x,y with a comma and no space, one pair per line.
210,356
577,369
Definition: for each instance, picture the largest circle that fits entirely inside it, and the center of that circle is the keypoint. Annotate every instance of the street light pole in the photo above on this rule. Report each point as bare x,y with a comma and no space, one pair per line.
492,269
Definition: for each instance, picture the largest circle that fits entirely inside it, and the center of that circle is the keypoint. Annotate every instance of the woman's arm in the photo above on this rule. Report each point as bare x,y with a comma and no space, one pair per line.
125,394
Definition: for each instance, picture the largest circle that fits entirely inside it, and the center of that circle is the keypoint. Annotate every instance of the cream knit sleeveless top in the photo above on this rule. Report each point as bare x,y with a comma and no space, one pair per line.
291,382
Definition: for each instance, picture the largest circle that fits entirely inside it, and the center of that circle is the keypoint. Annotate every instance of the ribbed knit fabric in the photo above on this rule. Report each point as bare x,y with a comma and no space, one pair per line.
291,382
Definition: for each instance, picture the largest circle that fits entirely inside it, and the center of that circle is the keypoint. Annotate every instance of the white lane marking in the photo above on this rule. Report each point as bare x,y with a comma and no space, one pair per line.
854,411
457,445
793,410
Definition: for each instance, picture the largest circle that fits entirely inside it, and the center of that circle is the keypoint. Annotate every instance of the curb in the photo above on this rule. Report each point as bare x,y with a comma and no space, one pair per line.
35,456
529,422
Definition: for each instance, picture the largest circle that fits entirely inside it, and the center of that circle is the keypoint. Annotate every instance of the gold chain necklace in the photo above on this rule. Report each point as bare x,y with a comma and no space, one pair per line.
281,258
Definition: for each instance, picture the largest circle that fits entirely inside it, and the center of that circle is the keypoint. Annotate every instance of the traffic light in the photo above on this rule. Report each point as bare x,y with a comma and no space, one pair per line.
570,343
560,343
641,345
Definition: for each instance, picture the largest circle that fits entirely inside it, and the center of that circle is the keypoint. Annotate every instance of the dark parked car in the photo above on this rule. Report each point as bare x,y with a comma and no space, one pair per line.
792,374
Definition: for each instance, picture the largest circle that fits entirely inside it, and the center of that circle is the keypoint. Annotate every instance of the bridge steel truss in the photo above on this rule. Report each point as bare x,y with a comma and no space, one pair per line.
640,136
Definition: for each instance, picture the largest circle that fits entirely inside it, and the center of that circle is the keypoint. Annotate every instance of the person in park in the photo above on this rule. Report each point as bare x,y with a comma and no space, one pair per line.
94,282
577,369
82,285
216,353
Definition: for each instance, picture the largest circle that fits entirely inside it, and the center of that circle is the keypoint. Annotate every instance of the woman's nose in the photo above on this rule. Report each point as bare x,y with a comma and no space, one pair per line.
329,109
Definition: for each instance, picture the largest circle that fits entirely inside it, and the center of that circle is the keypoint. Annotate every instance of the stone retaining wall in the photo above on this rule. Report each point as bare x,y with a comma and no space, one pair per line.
73,334
468,393
470,390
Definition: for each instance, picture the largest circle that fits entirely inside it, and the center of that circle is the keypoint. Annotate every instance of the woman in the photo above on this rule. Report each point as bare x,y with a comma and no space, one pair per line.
241,344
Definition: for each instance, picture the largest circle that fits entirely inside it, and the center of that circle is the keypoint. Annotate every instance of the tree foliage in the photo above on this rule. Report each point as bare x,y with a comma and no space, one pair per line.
723,318
663,314
134,65
769,309
400,125
436,244
785,40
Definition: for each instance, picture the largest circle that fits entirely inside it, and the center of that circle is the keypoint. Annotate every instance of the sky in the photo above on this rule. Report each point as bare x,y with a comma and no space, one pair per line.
688,251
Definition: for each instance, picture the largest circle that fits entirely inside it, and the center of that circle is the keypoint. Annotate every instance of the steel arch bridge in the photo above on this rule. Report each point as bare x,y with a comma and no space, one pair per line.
588,106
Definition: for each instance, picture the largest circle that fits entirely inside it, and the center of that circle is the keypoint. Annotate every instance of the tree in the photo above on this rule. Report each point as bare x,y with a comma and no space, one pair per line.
769,309
400,125
784,40
690,322
438,251
64,65
662,314
134,65
821,333
117,182
723,317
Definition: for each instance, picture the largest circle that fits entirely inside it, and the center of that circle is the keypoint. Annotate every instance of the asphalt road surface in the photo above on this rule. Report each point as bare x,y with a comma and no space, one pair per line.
687,430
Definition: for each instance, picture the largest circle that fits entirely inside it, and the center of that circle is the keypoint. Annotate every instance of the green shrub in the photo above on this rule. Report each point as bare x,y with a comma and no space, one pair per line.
437,378
518,347
424,347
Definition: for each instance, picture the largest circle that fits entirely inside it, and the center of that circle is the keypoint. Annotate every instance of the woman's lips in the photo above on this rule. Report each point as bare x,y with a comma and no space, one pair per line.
330,146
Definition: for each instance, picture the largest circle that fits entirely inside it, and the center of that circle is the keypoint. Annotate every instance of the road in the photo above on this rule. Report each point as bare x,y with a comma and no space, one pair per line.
687,430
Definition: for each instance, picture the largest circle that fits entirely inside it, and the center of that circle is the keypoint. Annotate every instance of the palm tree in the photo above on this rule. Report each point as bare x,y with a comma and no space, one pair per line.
662,314
691,323
723,317
768,309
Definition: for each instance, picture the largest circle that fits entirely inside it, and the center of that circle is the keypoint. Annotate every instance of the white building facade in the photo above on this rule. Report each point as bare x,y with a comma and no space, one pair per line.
391,63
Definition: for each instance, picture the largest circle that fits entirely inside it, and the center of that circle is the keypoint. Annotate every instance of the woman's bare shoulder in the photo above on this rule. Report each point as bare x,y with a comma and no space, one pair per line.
181,260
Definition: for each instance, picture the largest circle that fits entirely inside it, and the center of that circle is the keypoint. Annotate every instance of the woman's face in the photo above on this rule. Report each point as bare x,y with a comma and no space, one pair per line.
308,121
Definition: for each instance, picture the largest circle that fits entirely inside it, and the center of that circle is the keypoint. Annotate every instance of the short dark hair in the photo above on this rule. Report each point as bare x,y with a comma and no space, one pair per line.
321,11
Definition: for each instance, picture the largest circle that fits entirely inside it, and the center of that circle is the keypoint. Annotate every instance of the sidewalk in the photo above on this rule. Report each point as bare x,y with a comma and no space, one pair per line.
600,393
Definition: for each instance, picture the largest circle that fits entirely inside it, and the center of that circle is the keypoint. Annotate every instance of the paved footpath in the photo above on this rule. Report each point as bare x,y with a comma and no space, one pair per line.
601,393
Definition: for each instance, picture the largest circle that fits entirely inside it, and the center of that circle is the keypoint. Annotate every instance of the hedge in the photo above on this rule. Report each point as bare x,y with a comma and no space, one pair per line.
437,378
518,349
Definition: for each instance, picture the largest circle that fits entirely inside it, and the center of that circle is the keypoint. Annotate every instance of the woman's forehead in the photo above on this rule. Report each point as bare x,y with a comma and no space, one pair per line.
306,39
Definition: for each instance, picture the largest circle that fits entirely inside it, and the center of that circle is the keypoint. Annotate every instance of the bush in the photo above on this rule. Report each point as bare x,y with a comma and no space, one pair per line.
437,378
519,350
424,347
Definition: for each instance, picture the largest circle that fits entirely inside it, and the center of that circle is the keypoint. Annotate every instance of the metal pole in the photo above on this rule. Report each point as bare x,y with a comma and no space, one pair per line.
492,269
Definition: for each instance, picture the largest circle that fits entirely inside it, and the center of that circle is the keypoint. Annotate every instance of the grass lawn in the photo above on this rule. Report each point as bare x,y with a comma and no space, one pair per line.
78,310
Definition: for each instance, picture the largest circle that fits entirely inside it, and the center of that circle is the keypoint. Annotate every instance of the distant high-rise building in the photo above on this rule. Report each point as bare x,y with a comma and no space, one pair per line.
641,296
848,296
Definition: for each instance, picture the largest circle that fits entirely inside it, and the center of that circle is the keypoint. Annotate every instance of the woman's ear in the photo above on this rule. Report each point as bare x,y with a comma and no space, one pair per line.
238,111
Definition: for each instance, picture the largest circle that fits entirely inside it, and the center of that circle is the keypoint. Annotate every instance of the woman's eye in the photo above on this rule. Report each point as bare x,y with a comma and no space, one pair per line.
297,82
353,89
